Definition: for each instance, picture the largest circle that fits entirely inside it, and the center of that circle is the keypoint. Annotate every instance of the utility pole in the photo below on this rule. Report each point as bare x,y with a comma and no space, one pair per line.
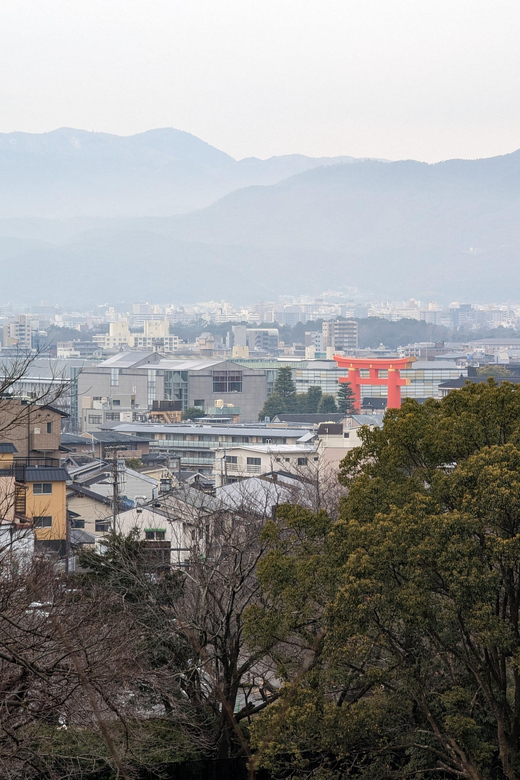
115,489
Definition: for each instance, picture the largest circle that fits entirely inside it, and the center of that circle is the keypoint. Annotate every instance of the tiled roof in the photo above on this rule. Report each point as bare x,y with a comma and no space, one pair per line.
45,474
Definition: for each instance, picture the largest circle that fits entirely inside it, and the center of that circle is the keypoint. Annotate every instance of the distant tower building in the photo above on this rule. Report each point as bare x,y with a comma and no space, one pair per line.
341,336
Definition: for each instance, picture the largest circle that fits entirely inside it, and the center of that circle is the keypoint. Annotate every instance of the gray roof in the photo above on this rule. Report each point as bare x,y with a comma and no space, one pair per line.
261,494
79,536
83,491
454,384
310,418
45,474
112,437
7,446
369,419
72,438
219,430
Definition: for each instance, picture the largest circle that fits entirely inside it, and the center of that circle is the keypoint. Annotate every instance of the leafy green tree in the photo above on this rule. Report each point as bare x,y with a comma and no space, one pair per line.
494,369
192,413
345,399
312,400
327,405
405,613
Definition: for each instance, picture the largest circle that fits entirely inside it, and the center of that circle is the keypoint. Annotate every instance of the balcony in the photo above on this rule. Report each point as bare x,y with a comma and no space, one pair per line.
179,444
253,469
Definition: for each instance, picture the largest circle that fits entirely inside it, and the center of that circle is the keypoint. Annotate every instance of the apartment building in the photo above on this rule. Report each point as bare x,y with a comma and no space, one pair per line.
196,444
340,335
155,335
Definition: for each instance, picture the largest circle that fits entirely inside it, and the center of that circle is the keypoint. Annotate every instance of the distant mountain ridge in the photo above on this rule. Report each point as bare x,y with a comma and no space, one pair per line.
70,173
445,231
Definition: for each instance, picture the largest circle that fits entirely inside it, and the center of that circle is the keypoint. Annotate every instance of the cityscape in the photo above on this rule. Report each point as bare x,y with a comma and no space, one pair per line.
259,390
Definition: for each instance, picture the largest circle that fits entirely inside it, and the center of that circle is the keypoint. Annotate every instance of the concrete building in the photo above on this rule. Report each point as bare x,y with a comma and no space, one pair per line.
18,333
340,335
145,377
245,460
196,444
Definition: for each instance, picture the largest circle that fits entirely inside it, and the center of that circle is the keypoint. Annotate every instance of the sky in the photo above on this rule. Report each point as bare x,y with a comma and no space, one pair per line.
419,79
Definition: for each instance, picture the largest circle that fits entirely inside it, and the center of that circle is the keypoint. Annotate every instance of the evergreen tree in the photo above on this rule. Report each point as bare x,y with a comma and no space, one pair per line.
313,398
283,398
327,405
346,399
274,405
284,385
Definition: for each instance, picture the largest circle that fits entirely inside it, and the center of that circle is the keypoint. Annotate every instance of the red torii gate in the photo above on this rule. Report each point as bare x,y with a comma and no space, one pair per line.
374,365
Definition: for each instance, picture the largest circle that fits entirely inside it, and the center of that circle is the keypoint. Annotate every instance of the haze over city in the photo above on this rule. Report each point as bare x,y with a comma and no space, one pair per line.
259,390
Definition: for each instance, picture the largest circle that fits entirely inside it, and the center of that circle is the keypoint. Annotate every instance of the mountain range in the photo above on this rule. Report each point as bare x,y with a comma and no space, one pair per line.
163,216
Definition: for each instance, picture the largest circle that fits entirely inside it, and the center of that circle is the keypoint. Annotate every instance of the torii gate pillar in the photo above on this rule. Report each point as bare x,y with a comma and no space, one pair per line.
393,380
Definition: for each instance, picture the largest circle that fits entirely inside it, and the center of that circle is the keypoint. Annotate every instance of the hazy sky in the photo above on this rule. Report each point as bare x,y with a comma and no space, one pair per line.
425,79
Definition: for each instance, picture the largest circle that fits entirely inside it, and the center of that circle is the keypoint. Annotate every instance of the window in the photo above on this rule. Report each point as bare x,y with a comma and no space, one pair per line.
95,419
43,521
254,461
42,487
302,461
160,535
199,402
227,381
346,435
114,377
102,525
267,441
77,522
149,535
116,402
49,427
231,459
151,387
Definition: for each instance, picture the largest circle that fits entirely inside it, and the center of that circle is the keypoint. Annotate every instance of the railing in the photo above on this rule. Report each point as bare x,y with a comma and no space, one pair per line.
253,469
184,445
39,461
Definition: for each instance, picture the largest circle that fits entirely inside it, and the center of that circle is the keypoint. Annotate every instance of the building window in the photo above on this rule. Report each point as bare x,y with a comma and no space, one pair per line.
43,521
302,461
114,377
49,427
149,535
231,459
102,525
346,435
254,461
77,522
42,487
95,419
116,402
160,536
199,402
151,386
227,381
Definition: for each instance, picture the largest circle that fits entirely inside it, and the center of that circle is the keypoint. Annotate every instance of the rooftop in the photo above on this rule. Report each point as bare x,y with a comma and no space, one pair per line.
209,430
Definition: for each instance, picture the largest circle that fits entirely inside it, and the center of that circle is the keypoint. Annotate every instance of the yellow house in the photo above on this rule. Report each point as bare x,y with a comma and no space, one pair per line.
46,504
36,495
